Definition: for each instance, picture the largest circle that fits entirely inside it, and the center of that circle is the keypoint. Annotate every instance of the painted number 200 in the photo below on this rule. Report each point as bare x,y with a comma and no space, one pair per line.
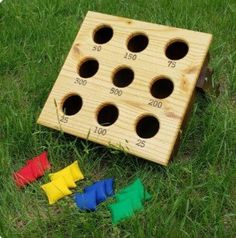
155,103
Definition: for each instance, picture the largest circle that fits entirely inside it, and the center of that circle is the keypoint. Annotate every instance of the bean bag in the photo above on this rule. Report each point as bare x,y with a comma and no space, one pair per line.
40,163
137,186
121,210
100,191
33,169
24,176
66,174
71,174
56,190
134,197
75,171
86,201
109,186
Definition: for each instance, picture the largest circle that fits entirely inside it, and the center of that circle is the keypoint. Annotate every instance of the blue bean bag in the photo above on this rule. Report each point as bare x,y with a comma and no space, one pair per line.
86,200
99,189
109,186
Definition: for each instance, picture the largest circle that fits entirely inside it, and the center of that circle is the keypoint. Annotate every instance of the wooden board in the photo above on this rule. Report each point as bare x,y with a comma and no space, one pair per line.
127,84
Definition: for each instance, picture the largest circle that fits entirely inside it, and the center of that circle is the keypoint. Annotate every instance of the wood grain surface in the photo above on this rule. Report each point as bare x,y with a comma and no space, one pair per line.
131,103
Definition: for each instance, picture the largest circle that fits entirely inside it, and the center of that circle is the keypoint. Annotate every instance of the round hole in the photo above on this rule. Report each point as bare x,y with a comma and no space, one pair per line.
107,115
88,68
137,43
72,105
123,77
162,88
176,50
147,127
102,35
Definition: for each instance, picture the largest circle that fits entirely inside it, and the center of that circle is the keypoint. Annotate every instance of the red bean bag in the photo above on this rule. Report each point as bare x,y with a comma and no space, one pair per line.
33,169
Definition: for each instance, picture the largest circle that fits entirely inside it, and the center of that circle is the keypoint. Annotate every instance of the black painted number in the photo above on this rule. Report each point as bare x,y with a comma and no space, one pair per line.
64,119
116,91
100,131
80,81
97,48
155,103
140,143
130,56
171,64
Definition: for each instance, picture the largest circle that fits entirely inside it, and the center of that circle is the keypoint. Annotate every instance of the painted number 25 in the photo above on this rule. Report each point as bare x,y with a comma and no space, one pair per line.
140,143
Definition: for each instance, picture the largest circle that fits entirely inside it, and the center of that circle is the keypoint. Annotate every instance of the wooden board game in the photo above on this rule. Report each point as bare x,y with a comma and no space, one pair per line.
127,84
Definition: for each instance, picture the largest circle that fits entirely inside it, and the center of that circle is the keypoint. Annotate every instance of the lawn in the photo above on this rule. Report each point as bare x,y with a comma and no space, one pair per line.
195,196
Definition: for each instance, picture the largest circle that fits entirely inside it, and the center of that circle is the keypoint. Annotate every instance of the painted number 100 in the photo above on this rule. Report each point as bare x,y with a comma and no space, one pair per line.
100,131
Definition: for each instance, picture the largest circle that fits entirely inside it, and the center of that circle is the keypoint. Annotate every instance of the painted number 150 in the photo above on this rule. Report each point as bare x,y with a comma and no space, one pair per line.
130,56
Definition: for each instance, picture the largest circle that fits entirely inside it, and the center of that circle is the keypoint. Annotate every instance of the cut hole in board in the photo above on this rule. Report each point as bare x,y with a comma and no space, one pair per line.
123,77
72,105
176,50
102,34
162,88
107,115
137,43
88,68
147,127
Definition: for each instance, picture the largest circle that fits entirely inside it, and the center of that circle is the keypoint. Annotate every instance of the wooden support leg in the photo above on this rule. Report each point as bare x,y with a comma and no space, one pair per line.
204,82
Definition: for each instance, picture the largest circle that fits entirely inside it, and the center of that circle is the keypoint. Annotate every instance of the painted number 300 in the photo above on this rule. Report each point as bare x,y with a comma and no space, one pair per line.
80,81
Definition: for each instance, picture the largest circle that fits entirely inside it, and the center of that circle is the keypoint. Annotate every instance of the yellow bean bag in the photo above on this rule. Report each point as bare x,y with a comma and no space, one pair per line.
76,172
71,174
56,189
66,174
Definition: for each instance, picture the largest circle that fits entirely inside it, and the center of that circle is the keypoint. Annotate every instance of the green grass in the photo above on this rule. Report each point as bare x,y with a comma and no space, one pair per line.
194,196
